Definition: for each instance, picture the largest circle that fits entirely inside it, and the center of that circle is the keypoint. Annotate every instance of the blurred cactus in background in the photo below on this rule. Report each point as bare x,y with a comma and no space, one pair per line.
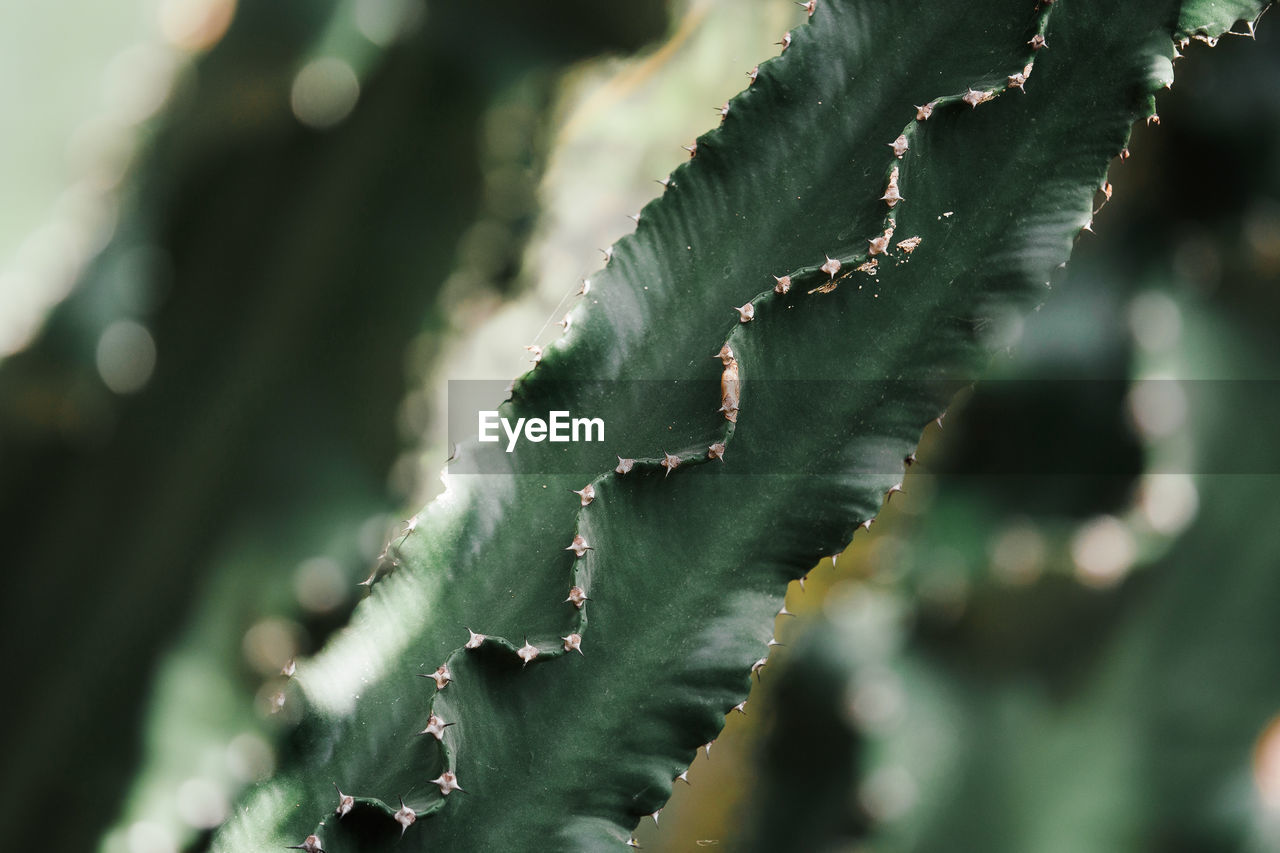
302,217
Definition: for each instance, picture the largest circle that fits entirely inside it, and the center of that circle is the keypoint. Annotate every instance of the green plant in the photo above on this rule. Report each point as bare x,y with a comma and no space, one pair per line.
243,254
909,220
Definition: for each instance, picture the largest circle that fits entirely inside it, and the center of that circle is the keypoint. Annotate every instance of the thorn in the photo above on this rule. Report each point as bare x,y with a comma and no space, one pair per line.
654,815
474,641
909,460
346,803
866,525
1017,81
669,462
785,612
624,465
723,110
809,6
730,412
577,597
289,669
938,420
716,451
1153,119
753,74
435,727
608,254
893,490
631,842
835,558
277,702
526,653
973,97
900,145
442,676
587,493
448,781
783,284
706,748
831,267
537,352
585,288
746,313
891,194
741,707
405,817
757,666
923,112
786,41
666,182
409,526
692,149
579,546
311,844
1106,190
880,245
1124,153
1088,226
566,322
725,355
800,581
573,643
634,217
772,642
1037,42
683,777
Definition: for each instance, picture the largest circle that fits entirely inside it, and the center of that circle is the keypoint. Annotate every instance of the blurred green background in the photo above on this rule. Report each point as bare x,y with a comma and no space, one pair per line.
246,244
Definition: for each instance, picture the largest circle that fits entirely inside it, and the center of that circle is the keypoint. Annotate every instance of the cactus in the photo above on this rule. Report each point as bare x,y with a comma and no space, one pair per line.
549,642
246,245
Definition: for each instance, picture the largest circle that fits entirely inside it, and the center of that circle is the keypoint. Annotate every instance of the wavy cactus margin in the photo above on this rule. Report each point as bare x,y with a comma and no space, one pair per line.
886,141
